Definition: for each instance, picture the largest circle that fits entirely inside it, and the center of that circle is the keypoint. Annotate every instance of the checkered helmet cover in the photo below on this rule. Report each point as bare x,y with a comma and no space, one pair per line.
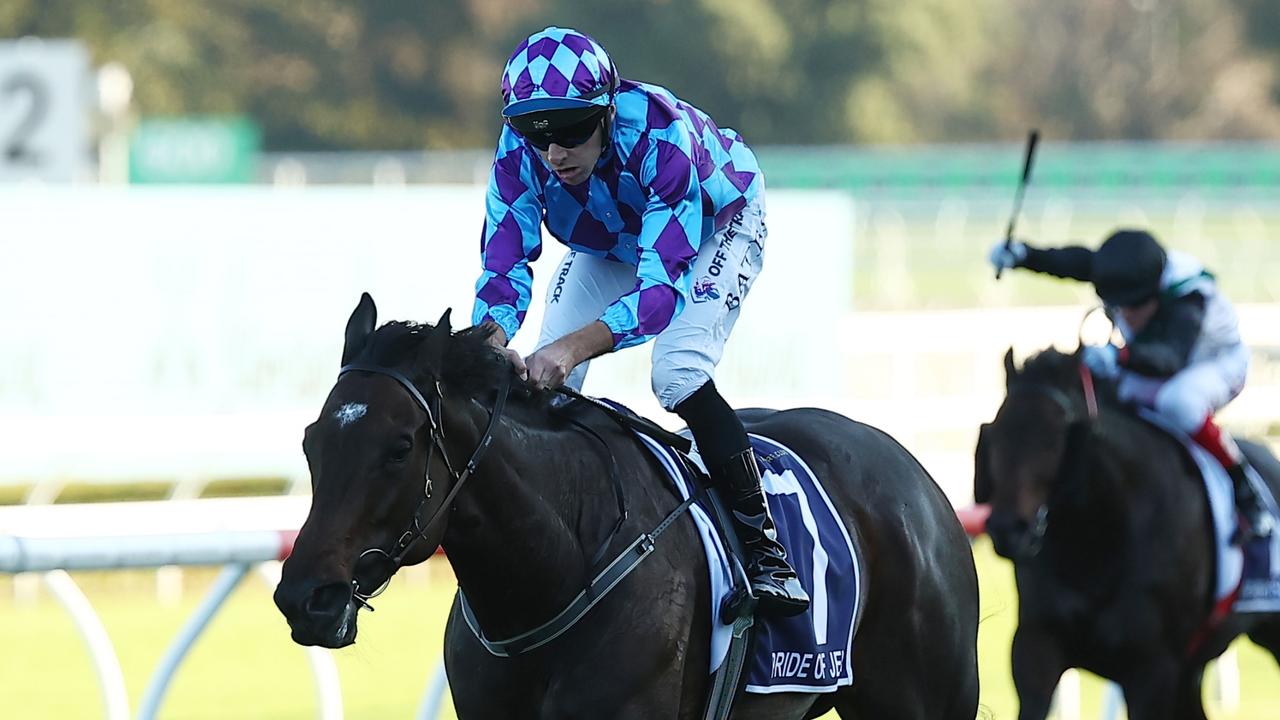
557,68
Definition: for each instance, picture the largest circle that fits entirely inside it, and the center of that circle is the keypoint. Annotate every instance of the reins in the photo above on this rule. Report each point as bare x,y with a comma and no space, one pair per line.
603,579
418,530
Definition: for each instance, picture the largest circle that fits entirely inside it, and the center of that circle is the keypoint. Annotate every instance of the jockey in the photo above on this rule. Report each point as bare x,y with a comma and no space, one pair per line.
1183,356
663,213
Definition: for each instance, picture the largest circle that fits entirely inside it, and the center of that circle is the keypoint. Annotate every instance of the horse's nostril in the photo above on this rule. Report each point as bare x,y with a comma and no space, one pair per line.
327,600
287,600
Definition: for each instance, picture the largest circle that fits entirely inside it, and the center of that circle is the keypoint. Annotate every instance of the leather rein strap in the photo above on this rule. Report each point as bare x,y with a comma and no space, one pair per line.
599,586
606,579
418,530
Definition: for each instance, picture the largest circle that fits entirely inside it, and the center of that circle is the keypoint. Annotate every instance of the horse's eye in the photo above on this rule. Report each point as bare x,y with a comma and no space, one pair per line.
399,452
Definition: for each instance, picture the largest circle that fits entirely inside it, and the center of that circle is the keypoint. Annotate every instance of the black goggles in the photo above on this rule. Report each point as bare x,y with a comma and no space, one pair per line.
543,129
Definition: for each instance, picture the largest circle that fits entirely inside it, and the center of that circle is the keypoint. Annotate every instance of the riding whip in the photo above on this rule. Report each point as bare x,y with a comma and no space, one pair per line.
1032,140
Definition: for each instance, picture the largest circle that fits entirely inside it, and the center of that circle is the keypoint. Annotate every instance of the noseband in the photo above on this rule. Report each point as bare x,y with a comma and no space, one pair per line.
604,575
418,530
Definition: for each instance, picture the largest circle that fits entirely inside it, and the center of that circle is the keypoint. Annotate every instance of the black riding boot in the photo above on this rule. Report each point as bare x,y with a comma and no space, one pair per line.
773,581
1255,520
723,444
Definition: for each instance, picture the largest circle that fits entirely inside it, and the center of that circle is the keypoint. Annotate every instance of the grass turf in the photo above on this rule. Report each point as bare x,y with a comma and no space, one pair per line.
245,666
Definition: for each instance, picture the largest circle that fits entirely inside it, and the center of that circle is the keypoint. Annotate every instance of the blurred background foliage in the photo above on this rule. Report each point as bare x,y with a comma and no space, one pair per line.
401,74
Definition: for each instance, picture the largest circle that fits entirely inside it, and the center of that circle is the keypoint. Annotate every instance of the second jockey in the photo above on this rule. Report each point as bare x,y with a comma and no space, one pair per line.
1183,356
663,213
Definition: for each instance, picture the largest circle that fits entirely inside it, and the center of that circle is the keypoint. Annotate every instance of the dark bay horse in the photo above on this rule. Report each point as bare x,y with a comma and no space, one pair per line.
1107,524
539,504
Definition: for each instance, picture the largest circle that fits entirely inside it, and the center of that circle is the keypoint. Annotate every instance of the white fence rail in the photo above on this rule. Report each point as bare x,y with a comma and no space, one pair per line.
929,378
239,534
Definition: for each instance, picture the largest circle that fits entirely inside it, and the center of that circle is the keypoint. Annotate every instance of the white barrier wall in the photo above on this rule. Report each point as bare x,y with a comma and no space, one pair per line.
166,332
154,332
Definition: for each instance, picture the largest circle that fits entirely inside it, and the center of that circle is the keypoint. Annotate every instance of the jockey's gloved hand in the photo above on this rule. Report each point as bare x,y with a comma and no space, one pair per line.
1007,255
1102,360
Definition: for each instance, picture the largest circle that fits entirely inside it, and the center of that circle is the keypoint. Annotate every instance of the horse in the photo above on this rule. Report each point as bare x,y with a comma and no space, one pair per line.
1105,519
539,505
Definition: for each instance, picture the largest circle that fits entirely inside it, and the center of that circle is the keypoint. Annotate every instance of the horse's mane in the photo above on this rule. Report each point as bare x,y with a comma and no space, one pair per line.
1049,366
470,363
1061,370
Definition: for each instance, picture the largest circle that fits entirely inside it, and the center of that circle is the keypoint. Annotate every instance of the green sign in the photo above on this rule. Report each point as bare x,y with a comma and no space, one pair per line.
194,150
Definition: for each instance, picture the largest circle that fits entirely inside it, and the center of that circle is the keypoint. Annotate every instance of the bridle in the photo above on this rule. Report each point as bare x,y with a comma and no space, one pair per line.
417,529
1040,524
604,574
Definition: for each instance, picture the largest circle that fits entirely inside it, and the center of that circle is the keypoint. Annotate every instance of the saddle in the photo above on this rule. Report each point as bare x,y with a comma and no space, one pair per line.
809,652
1248,578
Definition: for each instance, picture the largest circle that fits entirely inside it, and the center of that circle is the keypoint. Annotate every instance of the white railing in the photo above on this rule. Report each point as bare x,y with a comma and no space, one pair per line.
238,534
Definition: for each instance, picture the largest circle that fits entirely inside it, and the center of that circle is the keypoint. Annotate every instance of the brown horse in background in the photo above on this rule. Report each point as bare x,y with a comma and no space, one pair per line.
1109,530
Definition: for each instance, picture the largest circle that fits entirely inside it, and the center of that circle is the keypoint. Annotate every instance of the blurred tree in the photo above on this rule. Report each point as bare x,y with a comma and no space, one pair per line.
397,74
930,87
770,69
1102,69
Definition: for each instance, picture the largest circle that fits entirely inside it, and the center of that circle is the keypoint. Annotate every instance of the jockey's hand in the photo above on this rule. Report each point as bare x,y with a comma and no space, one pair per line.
1007,255
517,362
1102,360
548,367
498,339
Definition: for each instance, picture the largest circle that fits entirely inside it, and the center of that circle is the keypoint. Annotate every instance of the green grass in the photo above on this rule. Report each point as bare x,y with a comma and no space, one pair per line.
246,666
88,492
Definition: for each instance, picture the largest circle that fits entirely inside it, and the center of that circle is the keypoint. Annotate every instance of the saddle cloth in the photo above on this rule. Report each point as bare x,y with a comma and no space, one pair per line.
1254,569
808,652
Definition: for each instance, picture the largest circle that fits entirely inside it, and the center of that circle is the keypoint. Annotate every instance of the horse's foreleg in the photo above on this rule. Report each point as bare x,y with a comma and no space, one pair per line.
1038,663
1153,692
1191,695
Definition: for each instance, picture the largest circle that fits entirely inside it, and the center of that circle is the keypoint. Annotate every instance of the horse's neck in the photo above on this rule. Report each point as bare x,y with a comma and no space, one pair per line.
513,534
1099,521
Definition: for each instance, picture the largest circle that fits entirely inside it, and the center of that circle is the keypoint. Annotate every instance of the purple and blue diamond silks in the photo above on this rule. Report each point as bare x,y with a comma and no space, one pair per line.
667,181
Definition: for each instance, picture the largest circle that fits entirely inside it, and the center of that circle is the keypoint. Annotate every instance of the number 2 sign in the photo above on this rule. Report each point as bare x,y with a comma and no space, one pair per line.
44,100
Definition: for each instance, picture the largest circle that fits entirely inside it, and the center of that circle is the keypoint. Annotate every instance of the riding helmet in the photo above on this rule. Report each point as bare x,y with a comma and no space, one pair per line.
1127,268
554,70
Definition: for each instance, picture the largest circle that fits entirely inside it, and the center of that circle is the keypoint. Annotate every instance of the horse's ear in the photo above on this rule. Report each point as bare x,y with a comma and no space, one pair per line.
432,360
981,469
359,328
1010,369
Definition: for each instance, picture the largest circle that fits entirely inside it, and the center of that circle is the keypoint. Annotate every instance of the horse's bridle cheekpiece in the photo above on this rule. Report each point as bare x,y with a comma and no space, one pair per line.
417,530
605,575
1040,524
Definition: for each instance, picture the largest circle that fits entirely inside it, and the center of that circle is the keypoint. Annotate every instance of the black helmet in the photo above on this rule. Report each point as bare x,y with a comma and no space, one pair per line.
1127,268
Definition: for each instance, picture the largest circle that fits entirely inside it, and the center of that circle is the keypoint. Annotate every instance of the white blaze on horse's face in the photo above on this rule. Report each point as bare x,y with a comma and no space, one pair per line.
350,413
